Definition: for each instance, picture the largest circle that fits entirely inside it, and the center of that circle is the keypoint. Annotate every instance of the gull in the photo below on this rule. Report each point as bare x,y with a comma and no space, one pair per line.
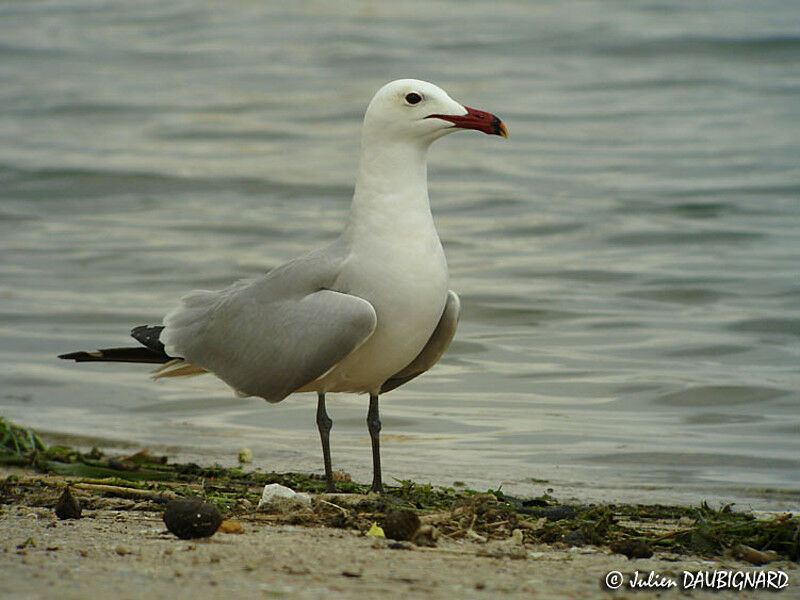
365,314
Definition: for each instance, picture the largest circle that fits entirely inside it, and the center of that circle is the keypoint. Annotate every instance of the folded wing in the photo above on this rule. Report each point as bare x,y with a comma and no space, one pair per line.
434,349
271,336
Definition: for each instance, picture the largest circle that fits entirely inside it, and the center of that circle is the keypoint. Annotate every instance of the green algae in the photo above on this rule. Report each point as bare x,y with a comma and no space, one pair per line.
700,530
16,441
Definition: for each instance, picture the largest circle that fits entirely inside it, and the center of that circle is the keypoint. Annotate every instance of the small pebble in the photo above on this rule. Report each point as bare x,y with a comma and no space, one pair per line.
401,524
757,557
190,518
575,538
68,506
230,526
400,546
426,536
632,549
351,573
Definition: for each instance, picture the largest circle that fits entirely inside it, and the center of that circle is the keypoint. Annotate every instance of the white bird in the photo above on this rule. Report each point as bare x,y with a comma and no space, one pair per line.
365,314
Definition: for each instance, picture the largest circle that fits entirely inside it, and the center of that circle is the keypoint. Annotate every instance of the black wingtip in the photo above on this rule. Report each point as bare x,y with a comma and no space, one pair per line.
135,355
79,356
148,336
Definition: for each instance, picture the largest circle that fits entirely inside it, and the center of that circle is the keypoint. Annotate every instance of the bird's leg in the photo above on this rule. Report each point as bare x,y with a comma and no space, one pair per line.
374,426
324,424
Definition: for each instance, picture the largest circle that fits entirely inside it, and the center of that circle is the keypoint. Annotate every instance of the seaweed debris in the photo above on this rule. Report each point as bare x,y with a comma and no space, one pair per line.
143,481
16,442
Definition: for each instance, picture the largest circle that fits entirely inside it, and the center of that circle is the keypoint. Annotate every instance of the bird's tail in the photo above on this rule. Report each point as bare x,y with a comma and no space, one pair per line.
129,355
152,351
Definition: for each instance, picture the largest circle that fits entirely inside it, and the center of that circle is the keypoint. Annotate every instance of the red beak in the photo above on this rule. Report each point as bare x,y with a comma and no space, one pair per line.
476,119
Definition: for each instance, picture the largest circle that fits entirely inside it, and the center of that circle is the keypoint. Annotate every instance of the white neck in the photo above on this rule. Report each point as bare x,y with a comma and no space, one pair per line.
391,190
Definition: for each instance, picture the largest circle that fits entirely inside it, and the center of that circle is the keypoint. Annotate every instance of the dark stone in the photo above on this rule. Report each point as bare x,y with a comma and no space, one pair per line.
191,518
575,538
632,548
401,524
400,546
68,506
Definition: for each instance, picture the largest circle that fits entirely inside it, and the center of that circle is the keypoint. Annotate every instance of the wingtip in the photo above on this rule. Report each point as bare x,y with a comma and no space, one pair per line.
78,356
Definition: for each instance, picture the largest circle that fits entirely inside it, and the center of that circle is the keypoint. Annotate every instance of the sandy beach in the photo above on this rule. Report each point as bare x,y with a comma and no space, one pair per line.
121,549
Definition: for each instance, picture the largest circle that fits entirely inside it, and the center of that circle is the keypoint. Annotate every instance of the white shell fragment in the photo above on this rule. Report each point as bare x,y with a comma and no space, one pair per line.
277,494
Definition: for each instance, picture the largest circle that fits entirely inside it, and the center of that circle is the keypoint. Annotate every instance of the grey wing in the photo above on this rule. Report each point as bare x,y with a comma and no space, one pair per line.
271,336
433,350
271,350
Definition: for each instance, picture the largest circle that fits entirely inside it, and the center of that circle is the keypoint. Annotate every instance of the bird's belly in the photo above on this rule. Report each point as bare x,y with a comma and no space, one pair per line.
388,351
409,304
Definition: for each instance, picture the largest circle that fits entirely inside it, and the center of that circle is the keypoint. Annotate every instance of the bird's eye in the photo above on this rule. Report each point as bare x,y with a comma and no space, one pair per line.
413,98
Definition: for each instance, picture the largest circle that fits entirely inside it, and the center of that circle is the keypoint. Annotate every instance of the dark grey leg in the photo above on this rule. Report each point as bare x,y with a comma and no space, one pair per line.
324,425
374,426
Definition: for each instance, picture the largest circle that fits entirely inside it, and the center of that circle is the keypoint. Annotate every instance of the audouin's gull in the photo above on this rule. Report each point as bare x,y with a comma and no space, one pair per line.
365,314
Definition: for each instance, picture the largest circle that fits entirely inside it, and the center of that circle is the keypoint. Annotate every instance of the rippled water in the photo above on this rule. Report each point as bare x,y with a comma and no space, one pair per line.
628,261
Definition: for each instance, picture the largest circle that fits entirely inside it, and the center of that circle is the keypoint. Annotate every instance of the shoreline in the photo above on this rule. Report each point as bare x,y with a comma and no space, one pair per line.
476,544
762,500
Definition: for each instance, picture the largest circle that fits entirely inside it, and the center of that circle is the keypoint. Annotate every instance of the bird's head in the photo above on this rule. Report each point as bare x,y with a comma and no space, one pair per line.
418,110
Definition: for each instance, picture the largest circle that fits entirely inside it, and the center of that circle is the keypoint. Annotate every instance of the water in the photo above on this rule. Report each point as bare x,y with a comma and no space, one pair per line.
627,261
